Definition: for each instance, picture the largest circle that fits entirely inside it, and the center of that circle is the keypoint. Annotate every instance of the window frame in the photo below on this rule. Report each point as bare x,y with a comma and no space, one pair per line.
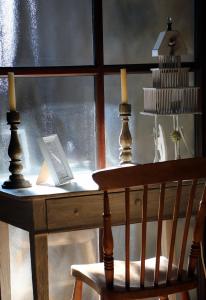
99,70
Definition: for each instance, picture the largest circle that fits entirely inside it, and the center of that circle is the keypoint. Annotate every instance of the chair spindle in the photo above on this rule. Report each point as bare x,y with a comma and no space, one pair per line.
159,232
127,237
154,276
197,235
186,227
108,243
144,234
174,229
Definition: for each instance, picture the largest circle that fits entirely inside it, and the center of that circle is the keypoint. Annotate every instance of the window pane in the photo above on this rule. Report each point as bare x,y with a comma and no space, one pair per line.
141,126
45,33
65,249
64,106
132,27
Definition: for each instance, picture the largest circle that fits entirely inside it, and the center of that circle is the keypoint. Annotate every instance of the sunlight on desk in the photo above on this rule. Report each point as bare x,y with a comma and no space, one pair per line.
82,182
64,248
60,213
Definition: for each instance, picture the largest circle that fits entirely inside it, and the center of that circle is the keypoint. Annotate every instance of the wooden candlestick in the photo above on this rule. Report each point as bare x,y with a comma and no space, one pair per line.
16,180
125,139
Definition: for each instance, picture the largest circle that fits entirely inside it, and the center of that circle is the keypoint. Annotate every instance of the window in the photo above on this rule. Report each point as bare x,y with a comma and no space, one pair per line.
80,47
131,28
67,56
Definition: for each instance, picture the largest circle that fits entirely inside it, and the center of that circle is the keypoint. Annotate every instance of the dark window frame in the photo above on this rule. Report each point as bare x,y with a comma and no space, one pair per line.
99,70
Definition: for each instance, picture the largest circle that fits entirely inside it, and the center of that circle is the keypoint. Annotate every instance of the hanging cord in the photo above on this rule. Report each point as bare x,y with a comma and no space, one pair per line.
185,142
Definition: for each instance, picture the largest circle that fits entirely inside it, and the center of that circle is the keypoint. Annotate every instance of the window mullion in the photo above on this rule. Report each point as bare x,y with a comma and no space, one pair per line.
99,80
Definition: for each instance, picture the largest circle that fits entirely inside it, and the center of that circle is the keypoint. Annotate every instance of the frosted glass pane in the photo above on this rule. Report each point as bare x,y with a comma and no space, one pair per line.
132,27
46,33
141,126
64,106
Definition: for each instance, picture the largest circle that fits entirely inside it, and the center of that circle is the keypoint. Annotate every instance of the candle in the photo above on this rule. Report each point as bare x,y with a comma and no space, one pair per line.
124,85
11,92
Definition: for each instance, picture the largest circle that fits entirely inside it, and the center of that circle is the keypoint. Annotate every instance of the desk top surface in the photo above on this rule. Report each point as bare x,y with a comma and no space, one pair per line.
82,183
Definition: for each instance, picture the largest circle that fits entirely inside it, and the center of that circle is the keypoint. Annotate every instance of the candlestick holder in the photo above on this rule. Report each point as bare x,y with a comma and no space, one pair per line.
16,179
125,138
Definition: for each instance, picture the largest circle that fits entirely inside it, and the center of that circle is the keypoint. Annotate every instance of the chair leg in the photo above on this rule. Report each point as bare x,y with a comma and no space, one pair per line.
77,292
185,295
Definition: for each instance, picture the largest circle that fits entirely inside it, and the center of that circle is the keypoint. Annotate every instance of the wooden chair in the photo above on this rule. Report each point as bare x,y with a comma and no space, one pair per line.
158,276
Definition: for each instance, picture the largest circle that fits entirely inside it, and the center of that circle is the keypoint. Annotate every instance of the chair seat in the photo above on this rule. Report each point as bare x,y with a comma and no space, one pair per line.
93,274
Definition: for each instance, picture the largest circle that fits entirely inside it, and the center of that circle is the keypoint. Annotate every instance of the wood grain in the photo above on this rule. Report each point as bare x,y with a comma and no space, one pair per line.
77,292
159,231
41,212
160,273
174,229
39,215
149,174
5,262
144,234
69,212
39,264
127,237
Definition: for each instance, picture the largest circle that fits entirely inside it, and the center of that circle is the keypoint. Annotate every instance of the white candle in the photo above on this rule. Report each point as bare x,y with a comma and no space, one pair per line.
11,92
124,85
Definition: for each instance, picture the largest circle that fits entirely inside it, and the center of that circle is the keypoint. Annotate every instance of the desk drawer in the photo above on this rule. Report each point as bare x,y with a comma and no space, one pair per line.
75,212
83,212
86,211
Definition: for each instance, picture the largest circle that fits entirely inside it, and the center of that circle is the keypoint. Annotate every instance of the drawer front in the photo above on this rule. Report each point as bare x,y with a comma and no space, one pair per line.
83,212
75,212
86,211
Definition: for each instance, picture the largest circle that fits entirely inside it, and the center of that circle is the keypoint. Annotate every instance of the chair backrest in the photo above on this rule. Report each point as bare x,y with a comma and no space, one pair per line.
145,175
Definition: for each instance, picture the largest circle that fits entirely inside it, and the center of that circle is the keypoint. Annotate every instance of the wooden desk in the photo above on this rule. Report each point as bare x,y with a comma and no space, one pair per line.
42,210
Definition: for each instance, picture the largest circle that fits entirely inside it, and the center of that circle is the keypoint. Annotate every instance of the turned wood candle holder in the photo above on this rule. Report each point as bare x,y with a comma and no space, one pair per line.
125,139
16,179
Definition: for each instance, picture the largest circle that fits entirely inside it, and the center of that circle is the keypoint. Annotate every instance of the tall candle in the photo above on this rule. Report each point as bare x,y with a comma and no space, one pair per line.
11,92
124,86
